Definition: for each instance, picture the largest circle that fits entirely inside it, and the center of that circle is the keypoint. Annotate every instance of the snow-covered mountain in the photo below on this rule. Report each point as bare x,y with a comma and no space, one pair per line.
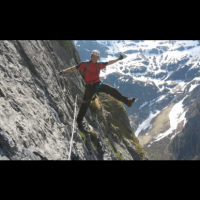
164,76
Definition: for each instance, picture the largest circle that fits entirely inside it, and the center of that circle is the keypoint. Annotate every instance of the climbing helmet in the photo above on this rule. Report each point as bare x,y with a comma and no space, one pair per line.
96,53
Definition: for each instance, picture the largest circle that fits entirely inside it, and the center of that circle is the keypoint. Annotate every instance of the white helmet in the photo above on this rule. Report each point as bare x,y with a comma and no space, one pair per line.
96,53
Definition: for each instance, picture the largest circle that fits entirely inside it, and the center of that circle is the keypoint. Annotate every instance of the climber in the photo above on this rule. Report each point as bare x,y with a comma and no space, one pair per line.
93,83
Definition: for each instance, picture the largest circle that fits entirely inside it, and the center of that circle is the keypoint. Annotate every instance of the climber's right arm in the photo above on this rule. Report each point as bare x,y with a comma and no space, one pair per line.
71,69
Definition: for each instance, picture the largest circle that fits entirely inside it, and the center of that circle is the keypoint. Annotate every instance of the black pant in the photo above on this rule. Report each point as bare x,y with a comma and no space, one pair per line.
91,90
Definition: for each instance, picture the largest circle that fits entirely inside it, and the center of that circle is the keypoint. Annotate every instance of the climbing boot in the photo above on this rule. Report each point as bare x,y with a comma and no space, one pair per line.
130,102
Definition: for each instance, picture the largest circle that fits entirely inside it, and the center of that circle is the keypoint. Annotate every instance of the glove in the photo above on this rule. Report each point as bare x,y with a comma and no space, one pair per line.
61,73
121,57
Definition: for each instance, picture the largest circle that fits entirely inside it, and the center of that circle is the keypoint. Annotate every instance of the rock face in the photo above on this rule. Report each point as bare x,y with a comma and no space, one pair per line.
37,108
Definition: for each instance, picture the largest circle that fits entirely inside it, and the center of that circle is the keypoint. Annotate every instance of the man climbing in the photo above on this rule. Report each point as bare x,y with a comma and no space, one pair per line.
93,83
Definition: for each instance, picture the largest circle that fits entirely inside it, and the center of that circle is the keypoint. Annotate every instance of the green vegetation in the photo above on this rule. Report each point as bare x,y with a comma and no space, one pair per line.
94,137
95,140
115,137
82,135
93,146
118,112
140,151
95,105
118,155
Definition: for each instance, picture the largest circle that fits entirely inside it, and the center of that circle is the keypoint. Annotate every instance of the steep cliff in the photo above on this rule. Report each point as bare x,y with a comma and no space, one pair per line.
37,108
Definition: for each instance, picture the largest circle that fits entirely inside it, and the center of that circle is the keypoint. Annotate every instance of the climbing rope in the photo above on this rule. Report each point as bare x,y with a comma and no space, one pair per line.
72,130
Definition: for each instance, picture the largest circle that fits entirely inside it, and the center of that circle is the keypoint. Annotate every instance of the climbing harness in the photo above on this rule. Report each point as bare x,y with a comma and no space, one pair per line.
72,130
95,95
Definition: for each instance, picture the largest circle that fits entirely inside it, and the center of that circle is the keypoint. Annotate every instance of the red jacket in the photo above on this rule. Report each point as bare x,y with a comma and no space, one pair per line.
91,74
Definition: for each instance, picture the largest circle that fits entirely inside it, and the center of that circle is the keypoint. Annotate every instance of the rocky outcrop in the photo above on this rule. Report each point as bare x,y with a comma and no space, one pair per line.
37,107
186,145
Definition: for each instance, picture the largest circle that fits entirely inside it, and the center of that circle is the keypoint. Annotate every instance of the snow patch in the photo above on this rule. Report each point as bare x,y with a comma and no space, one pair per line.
176,115
192,87
146,124
144,104
160,98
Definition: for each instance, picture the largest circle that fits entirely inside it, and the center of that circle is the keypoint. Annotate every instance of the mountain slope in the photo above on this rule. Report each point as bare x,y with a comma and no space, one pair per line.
162,75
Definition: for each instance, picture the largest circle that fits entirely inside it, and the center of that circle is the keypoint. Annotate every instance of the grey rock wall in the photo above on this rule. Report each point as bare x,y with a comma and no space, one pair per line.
37,106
